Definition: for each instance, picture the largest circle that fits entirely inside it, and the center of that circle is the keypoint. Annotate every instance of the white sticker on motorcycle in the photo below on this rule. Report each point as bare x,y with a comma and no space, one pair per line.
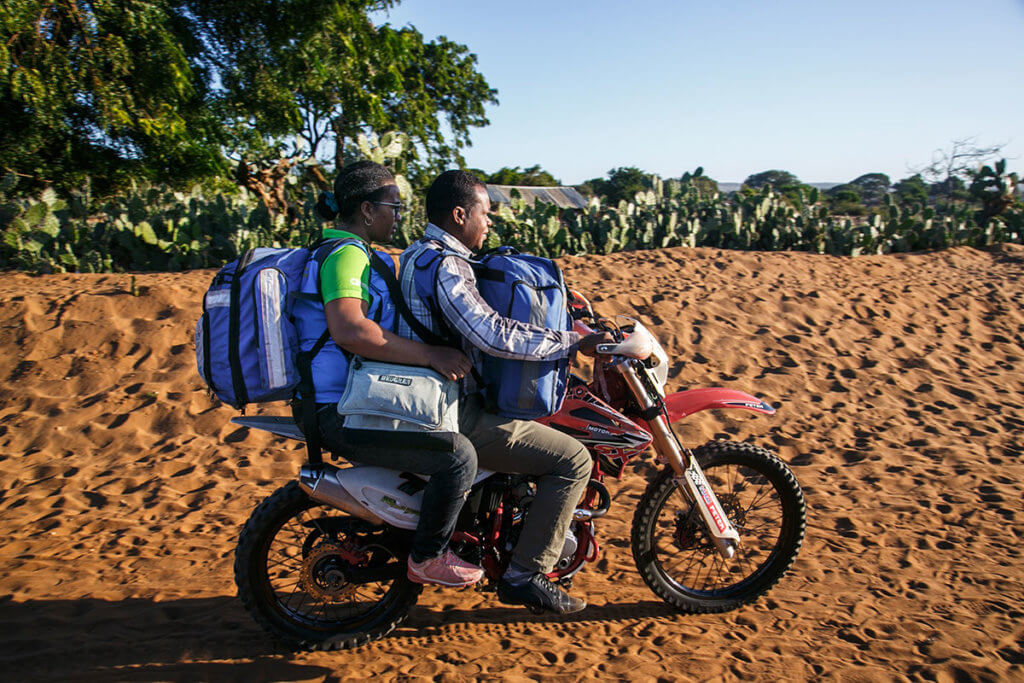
709,502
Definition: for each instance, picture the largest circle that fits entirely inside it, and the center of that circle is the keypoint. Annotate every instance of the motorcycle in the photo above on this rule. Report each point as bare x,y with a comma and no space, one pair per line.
321,563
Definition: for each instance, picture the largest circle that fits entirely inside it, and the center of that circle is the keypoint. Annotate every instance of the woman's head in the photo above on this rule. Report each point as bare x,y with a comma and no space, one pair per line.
366,199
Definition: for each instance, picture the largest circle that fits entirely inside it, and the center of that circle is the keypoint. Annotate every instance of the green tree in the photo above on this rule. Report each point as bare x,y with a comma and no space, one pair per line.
783,182
912,190
622,184
774,178
845,202
532,176
323,72
105,89
871,187
162,90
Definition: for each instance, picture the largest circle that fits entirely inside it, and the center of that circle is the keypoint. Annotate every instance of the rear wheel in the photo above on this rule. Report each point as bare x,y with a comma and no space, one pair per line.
319,579
675,554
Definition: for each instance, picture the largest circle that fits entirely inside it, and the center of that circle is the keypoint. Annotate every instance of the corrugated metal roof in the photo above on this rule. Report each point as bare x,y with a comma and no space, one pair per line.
562,197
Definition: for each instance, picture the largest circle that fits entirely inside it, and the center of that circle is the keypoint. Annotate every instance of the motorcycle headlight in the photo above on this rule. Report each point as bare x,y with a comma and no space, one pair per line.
657,363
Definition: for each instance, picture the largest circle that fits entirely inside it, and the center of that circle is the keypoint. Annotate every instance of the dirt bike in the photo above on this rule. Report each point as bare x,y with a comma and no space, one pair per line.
321,563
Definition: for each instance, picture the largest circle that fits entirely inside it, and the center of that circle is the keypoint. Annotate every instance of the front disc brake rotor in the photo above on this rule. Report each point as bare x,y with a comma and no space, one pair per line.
687,532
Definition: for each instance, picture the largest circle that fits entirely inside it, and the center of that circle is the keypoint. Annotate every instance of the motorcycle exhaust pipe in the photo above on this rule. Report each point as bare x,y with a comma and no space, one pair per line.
320,482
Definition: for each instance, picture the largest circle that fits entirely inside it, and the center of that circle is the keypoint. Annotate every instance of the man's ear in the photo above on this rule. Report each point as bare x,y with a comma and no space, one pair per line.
459,214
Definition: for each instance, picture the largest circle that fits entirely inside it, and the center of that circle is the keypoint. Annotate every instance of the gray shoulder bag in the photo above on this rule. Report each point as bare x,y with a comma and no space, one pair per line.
394,397
404,398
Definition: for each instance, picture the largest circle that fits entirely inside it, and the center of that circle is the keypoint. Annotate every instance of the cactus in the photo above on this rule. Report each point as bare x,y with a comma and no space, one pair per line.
153,227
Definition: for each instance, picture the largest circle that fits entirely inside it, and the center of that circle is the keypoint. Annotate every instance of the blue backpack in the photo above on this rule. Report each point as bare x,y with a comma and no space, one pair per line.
247,346
522,287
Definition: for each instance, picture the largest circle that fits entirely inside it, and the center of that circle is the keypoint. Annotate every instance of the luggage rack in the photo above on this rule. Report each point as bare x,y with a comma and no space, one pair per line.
280,425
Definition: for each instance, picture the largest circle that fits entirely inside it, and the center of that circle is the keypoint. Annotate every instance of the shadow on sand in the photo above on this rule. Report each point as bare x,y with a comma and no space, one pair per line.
189,639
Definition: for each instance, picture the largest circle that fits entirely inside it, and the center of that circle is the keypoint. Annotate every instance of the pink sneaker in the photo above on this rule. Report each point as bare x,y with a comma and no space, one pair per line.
447,569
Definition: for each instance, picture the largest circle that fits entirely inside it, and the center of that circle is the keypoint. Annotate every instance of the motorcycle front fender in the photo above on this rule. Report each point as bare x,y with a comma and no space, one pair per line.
683,403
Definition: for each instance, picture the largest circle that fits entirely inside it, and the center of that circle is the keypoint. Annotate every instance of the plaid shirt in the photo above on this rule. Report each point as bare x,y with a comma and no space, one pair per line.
481,328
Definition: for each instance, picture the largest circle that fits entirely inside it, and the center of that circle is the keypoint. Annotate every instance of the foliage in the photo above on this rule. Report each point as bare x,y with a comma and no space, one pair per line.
994,190
621,185
112,91
155,228
103,90
158,228
912,190
700,182
845,202
674,213
147,228
533,176
775,179
869,188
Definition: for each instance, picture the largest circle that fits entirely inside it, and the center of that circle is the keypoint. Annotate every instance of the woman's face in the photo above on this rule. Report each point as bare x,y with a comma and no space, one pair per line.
383,215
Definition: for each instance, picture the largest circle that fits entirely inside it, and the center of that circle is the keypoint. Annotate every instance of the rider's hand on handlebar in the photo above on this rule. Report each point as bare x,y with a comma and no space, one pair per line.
449,362
588,345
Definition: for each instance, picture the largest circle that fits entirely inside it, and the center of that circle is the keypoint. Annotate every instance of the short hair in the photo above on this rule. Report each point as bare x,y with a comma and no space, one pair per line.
356,183
451,189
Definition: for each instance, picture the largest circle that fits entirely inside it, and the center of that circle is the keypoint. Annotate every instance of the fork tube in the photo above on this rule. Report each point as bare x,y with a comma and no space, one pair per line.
664,439
689,479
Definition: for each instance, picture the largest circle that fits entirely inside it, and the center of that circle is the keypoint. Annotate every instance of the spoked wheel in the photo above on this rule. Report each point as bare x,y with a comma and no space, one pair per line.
319,579
676,556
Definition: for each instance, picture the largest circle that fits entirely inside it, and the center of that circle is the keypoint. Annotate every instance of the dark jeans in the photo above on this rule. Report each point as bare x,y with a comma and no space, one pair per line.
449,462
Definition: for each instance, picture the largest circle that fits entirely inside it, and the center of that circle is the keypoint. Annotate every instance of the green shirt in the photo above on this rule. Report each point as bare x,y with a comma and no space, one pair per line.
346,272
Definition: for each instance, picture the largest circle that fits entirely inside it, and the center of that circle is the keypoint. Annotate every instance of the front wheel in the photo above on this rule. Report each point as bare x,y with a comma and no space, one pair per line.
319,579
677,558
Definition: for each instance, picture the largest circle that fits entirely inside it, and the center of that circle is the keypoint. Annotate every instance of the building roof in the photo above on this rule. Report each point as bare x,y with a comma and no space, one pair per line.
562,197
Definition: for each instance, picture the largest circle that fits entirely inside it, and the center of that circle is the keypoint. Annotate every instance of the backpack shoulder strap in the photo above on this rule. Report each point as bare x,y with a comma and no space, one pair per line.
395,290
310,425
452,338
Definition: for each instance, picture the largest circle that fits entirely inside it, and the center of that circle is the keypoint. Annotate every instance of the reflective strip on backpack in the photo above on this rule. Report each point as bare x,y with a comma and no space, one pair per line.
270,321
218,297
201,350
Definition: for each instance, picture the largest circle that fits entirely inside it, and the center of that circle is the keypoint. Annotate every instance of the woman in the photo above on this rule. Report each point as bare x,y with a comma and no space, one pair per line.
360,318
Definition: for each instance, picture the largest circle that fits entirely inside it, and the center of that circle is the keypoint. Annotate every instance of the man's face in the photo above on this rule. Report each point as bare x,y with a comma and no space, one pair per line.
477,221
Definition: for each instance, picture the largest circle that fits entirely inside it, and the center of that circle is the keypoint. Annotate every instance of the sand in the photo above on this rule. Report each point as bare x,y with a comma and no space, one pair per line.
123,485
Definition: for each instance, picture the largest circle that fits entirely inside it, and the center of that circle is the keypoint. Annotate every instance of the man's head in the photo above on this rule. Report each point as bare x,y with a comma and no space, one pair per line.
457,202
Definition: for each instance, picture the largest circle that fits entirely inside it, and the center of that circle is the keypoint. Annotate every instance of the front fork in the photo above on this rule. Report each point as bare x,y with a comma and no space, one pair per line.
689,478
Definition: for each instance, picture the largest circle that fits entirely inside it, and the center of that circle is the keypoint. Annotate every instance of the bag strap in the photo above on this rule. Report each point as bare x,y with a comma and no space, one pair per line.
395,290
310,424
320,250
234,330
452,337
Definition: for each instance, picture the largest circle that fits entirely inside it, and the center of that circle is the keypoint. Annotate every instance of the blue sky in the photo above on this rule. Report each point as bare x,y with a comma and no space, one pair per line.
826,90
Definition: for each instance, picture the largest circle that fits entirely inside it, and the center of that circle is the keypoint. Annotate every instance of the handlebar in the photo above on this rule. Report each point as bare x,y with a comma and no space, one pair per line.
638,346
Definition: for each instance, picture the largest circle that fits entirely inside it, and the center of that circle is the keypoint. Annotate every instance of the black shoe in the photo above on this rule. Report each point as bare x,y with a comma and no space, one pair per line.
539,594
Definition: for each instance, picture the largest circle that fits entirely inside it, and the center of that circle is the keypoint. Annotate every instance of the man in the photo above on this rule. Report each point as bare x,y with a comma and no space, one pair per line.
458,209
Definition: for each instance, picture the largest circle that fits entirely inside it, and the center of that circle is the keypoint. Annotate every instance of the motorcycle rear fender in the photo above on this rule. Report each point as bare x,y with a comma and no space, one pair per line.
683,403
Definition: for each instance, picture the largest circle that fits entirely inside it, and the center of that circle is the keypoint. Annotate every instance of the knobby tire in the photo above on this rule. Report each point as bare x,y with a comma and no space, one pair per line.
258,595
663,547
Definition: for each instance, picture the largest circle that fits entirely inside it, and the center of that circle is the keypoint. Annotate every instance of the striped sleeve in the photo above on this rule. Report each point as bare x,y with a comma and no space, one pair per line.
467,312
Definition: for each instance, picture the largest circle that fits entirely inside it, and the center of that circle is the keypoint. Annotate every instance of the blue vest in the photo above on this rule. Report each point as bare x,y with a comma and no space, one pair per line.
330,366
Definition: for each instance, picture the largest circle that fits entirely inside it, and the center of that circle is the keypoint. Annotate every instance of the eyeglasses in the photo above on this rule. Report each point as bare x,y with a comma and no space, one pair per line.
397,206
